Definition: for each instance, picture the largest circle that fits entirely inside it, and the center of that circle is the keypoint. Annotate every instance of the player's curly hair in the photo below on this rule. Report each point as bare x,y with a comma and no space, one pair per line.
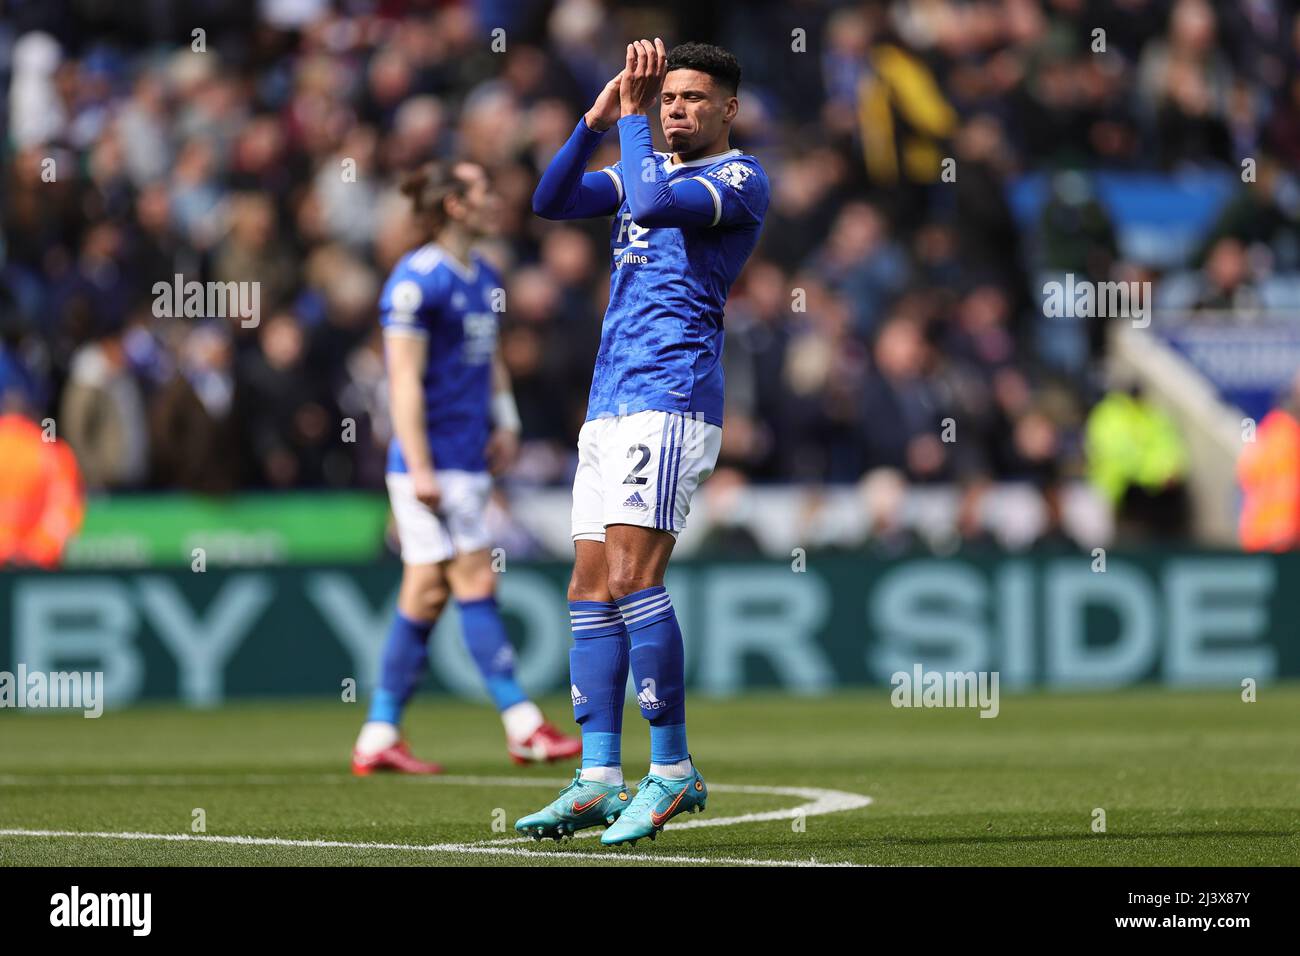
428,187
707,58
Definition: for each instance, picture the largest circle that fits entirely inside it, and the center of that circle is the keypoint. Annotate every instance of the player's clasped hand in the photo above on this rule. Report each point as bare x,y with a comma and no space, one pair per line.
642,76
605,111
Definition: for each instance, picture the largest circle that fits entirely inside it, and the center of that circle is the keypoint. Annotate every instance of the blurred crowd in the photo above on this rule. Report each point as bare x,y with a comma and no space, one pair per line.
890,319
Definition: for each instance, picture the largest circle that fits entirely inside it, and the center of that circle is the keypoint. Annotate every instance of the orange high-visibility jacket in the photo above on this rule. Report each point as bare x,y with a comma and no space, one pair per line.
1269,472
41,499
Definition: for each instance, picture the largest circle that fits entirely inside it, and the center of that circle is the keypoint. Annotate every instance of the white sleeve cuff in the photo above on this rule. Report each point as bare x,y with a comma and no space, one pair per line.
618,181
717,199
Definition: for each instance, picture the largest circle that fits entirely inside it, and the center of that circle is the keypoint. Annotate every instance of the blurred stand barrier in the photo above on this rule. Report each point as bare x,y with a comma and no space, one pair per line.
1068,621
254,530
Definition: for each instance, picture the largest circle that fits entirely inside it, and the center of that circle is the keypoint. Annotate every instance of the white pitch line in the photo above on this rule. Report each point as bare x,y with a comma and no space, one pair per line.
468,848
821,801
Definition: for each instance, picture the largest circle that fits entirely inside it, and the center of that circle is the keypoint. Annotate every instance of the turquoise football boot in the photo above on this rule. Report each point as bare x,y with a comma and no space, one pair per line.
582,804
658,800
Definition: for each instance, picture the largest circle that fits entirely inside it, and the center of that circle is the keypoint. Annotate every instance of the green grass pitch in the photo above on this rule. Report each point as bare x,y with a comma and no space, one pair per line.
1183,777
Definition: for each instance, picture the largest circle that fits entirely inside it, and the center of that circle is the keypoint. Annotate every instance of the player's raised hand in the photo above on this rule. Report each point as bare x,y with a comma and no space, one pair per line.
605,111
643,75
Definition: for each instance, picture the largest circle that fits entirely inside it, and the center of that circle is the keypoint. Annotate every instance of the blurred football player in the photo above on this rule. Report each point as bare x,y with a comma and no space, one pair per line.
454,423
684,224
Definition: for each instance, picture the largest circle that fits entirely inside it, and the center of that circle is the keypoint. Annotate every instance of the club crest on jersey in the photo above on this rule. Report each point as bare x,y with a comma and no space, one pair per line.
733,174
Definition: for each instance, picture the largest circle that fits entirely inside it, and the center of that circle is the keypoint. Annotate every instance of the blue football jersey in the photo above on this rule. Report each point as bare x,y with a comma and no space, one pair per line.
661,343
432,295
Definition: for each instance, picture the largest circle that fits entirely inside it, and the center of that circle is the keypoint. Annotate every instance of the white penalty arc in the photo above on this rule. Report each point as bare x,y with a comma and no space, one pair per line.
818,801
469,849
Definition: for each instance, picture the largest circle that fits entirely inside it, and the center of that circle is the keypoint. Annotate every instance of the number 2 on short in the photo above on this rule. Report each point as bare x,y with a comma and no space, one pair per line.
634,477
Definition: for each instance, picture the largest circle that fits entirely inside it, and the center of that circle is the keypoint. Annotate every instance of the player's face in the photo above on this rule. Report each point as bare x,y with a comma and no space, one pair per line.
694,110
479,209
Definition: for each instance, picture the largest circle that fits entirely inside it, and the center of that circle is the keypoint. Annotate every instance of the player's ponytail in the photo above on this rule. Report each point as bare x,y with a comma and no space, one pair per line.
428,188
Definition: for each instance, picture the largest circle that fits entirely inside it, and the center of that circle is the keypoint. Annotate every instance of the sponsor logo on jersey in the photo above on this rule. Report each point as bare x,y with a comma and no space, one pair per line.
635,237
480,337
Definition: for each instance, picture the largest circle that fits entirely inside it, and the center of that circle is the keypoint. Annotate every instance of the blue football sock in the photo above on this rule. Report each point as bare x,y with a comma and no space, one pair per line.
406,653
658,669
598,680
485,636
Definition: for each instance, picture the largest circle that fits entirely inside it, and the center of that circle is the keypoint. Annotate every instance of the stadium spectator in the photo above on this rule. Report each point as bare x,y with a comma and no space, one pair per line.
271,158
1228,281
726,530
1137,459
102,415
193,417
901,417
1183,85
293,416
21,389
37,113
1054,538
882,493
252,252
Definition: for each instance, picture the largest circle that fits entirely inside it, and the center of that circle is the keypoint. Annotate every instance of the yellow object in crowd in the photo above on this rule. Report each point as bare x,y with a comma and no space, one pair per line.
1131,442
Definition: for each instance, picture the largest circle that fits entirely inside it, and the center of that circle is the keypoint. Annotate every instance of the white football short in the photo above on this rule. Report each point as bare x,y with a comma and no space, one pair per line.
641,469
458,527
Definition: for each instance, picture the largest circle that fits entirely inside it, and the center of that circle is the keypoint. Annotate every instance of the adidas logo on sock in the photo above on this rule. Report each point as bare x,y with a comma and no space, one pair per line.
647,698
578,696
636,501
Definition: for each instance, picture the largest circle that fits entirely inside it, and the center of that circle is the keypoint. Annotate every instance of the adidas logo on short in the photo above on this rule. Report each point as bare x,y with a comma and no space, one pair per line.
636,501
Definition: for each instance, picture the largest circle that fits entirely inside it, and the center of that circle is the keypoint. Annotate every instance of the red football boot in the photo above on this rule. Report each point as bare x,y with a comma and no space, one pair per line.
396,758
546,745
